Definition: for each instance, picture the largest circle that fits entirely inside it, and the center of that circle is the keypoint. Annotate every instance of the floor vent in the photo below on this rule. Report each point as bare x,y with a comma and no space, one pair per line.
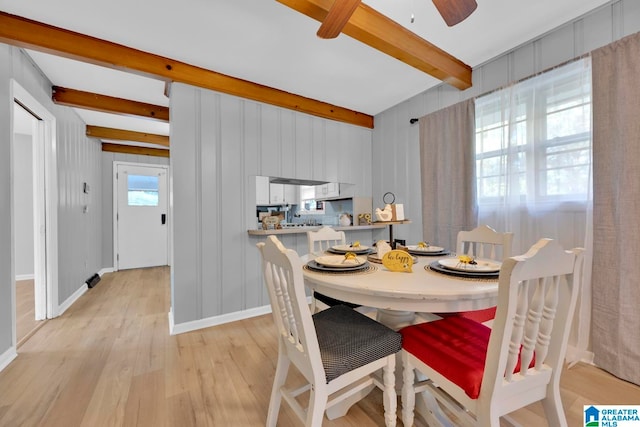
93,280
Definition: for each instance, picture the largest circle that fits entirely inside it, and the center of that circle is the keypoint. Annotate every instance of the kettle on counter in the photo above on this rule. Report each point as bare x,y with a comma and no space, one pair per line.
345,220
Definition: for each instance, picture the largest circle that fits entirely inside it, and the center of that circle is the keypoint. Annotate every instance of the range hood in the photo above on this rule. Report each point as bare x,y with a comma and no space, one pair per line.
294,181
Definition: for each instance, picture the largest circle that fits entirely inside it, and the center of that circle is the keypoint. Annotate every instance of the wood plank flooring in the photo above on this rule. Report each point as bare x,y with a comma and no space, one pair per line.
25,311
109,361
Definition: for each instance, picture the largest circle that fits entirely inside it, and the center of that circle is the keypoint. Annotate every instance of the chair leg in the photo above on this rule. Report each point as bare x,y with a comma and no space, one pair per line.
317,405
389,394
552,404
317,306
487,417
282,367
408,393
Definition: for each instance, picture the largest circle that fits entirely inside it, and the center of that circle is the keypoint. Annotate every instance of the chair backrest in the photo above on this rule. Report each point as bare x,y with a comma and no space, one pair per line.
536,300
485,242
324,238
282,269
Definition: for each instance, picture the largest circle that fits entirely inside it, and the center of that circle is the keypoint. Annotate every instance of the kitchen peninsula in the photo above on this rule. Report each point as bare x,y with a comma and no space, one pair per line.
298,230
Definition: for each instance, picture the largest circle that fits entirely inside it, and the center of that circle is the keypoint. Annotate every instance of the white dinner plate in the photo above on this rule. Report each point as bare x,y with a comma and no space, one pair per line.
349,248
416,248
482,265
339,261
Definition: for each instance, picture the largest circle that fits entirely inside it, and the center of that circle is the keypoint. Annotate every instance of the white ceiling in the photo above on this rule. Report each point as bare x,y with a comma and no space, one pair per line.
266,42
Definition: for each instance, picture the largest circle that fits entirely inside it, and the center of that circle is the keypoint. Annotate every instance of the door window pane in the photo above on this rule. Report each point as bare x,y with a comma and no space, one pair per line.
142,190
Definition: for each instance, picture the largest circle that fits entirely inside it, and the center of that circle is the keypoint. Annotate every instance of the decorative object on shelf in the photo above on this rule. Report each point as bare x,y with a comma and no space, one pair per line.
397,260
382,247
364,219
384,214
345,219
271,223
396,210
389,198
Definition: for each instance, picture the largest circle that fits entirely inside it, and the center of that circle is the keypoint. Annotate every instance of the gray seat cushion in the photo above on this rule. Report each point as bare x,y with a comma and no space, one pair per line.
349,340
332,301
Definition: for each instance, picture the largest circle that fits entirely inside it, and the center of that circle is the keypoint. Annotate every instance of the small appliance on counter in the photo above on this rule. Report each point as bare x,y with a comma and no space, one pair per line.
345,220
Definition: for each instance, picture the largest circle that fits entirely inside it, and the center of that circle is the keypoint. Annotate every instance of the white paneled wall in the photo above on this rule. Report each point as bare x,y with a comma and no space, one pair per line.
218,144
23,235
79,233
78,158
396,150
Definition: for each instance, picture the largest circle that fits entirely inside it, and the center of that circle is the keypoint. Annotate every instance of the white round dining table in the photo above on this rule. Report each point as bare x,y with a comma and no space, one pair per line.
397,295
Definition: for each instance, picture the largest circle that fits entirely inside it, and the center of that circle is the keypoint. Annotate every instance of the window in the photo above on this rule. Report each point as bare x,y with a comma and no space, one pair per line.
142,190
533,139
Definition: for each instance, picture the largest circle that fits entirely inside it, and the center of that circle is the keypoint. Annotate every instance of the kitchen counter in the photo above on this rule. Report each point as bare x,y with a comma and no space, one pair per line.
298,230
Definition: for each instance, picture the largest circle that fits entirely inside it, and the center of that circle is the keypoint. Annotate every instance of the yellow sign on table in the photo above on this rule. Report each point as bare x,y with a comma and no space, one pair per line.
398,260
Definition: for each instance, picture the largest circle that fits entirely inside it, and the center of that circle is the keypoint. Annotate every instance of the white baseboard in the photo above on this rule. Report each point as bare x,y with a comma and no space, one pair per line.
25,277
7,357
73,298
105,271
171,324
574,355
215,320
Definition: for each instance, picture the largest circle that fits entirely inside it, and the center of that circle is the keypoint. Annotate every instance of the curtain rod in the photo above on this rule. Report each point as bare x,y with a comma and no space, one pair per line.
546,70
577,58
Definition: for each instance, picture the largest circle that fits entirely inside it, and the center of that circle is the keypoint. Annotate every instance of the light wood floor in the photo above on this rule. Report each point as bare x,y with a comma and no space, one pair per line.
109,361
25,311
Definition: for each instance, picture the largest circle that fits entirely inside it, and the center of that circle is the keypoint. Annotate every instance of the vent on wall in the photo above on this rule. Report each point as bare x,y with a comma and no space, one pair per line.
93,280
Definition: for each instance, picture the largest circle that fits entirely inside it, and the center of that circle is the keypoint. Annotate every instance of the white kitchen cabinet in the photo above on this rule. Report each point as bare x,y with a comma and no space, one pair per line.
283,194
276,194
327,191
262,190
291,194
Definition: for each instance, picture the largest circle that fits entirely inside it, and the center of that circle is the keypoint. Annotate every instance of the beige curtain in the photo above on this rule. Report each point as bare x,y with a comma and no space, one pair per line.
616,211
447,161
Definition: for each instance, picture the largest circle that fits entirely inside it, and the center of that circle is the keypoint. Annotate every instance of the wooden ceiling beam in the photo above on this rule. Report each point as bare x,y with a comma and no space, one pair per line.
42,37
126,135
108,104
130,149
337,17
376,30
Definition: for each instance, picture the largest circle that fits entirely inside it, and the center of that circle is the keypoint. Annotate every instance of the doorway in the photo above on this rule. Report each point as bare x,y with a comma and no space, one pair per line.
24,126
140,215
43,216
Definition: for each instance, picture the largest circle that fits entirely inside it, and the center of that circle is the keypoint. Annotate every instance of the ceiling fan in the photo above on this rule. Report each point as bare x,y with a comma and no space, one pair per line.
455,11
452,11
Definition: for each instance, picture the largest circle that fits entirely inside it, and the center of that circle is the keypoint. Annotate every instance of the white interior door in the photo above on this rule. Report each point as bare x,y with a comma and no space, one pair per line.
141,216
45,204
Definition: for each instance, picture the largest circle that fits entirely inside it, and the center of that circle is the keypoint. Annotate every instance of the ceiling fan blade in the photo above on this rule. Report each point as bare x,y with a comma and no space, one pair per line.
337,18
455,11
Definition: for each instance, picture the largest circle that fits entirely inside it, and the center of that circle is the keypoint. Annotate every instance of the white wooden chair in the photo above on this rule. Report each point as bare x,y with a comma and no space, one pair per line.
323,239
483,242
318,242
336,350
481,374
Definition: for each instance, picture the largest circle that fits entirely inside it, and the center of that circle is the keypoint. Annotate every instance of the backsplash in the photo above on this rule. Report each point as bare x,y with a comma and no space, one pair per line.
331,216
